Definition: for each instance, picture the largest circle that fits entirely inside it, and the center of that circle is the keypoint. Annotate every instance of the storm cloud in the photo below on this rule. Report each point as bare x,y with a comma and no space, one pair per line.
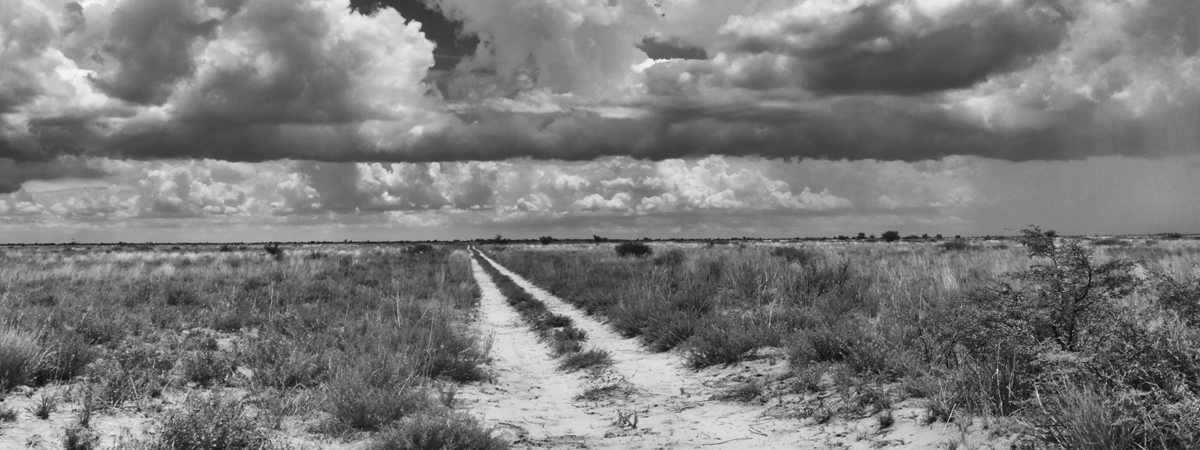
264,80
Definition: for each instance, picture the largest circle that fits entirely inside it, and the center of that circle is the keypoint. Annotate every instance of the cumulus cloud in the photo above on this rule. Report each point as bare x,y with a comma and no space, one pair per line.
260,80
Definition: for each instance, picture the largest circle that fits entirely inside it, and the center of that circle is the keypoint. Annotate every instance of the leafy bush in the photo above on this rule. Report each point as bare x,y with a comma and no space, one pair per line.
635,249
210,423
890,236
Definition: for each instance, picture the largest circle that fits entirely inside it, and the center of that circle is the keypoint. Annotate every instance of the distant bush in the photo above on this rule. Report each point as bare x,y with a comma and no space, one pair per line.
635,249
275,251
957,245
546,240
1111,242
419,249
890,236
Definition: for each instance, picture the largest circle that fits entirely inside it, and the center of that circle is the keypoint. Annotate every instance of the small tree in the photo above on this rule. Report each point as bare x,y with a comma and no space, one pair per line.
891,236
546,240
1069,290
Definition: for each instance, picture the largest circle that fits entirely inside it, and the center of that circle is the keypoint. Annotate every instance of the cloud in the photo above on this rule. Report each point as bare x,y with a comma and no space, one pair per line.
151,43
889,46
263,80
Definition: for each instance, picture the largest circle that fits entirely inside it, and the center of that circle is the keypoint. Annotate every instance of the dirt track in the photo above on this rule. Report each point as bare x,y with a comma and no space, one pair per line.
672,404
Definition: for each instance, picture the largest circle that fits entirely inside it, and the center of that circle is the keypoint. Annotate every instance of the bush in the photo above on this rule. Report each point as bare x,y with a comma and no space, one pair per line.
275,251
438,432
210,423
890,236
419,249
635,249
722,342
77,437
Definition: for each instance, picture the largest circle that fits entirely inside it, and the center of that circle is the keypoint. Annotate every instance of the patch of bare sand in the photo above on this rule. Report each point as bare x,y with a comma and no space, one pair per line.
676,408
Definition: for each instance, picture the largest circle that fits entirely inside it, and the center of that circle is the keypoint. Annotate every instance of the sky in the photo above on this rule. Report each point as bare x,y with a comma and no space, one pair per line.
268,120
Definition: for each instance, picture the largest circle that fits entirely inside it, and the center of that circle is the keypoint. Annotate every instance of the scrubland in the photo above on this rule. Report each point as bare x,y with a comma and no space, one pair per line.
1050,342
1068,343
237,347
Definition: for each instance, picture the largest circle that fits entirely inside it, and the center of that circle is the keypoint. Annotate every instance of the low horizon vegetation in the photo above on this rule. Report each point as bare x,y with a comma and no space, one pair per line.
1067,335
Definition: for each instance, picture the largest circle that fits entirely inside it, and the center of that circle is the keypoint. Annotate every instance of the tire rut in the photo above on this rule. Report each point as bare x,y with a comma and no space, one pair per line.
673,404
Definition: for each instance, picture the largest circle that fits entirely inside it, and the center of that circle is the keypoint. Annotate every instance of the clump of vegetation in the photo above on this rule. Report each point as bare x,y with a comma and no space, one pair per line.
437,432
79,437
634,249
20,357
795,255
957,245
209,422
585,360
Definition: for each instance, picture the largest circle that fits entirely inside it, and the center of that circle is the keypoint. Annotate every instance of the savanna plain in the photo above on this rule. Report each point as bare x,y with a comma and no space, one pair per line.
1032,341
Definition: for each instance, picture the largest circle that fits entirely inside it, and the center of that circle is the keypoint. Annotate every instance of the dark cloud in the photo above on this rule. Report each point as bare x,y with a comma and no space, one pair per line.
667,48
14,173
150,42
871,50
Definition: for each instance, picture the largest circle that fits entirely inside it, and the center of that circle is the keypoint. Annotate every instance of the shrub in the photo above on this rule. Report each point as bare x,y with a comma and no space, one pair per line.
210,423
419,249
282,364
78,437
721,343
275,251
438,432
20,356
635,249
890,236
206,368
1065,296
546,240
7,414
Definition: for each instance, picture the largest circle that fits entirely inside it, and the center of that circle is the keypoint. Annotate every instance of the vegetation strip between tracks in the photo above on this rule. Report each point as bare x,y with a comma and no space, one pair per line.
564,338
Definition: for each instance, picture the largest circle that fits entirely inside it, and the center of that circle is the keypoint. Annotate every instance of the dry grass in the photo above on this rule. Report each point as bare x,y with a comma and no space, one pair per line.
967,324
321,329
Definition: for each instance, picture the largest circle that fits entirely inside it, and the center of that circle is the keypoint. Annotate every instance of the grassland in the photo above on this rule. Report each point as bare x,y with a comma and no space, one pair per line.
227,347
1058,342
1079,344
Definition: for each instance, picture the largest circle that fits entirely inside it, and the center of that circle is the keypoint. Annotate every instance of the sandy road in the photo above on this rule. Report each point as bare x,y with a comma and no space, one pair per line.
673,405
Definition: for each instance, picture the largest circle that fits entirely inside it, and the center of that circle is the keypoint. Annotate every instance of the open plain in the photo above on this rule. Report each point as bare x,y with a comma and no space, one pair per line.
1033,341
